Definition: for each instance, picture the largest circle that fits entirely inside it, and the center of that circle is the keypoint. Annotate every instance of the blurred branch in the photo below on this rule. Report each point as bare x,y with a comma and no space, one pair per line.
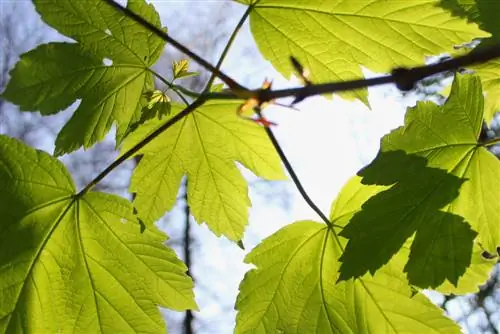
189,318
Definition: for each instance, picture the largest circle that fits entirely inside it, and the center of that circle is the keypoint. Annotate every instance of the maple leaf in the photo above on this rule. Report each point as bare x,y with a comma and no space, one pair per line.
71,264
443,183
335,38
490,78
180,69
204,146
485,14
158,105
293,289
107,69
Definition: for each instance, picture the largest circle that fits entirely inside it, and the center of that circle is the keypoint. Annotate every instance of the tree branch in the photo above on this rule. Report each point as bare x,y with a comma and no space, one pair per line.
189,109
227,47
189,317
404,78
295,178
179,46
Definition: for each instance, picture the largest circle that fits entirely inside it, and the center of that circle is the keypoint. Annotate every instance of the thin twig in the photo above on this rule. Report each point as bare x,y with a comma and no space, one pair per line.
295,178
170,85
404,78
189,109
264,95
491,142
227,47
179,46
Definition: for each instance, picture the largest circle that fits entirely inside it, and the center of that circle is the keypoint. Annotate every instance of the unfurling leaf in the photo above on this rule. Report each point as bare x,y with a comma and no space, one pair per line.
158,105
180,69
253,106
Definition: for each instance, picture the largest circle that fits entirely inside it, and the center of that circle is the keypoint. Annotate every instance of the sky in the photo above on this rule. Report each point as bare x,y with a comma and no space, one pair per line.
327,141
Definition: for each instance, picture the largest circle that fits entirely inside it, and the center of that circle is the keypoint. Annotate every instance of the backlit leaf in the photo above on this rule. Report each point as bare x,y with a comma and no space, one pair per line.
490,78
293,289
485,14
78,265
350,201
205,146
442,181
333,38
106,69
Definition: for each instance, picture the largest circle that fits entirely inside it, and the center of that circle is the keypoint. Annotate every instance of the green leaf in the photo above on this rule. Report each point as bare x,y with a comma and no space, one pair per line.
333,39
485,14
204,146
107,69
218,87
180,69
158,105
476,275
490,78
443,178
71,264
482,12
293,290
350,201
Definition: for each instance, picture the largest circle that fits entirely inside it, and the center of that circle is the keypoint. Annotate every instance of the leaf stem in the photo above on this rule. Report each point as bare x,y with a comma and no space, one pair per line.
189,109
186,91
491,142
179,46
265,95
295,178
227,47
170,85
403,78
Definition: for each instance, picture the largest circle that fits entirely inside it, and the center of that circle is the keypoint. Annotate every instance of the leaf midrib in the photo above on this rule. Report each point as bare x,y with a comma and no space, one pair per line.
235,234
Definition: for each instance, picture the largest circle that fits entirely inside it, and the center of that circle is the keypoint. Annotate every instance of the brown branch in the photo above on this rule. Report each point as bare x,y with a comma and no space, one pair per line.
179,46
189,109
189,317
404,78
295,178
